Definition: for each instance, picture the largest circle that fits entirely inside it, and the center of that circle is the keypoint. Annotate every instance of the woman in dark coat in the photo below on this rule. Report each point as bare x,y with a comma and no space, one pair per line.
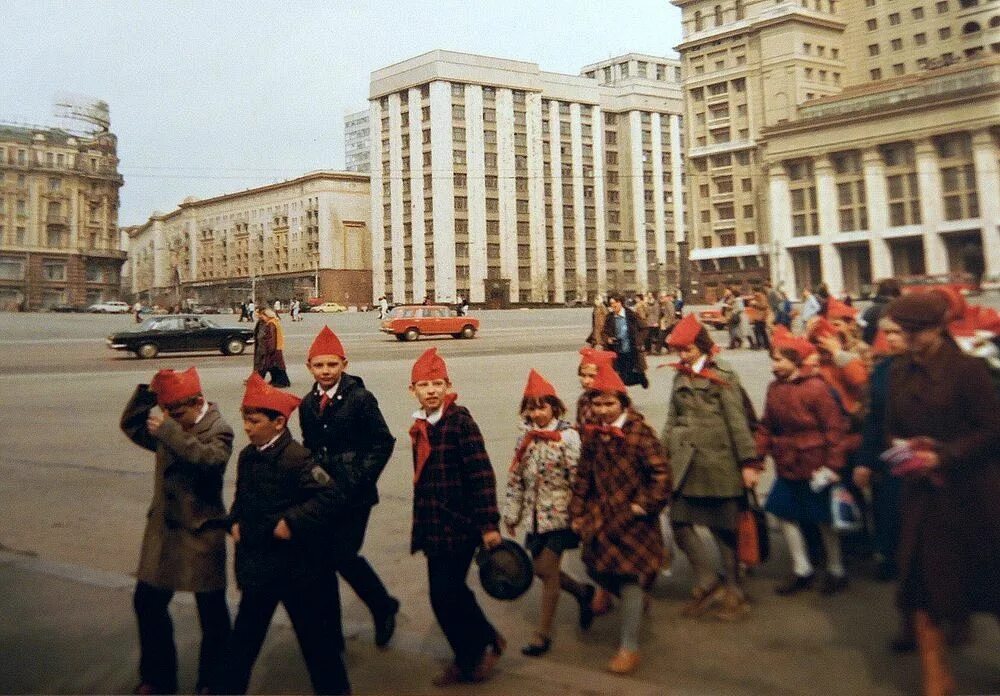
269,348
621,333
944,415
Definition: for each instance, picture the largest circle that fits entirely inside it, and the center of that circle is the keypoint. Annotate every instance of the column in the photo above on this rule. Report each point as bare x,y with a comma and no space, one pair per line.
443,191
985,159
476,183
638,201
659,216
507,190
677,186
536,198
600,223
399,289
377,226
831,267
878,212
416,174
555,180
579,219
929,178
780,224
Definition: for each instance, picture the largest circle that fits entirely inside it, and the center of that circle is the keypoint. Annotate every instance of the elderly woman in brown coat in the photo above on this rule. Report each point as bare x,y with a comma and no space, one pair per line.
269,348
622,484
943,419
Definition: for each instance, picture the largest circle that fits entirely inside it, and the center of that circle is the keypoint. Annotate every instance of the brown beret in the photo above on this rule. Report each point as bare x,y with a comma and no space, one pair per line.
918,310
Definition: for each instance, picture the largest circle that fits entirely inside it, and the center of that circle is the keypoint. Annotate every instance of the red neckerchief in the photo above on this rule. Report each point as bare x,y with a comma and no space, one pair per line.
529,437
420,439
706,373
612,430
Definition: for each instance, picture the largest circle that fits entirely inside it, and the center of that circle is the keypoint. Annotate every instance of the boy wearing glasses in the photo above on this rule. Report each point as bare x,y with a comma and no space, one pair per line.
183,546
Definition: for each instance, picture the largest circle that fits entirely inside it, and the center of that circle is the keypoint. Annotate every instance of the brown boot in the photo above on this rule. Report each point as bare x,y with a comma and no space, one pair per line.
937,677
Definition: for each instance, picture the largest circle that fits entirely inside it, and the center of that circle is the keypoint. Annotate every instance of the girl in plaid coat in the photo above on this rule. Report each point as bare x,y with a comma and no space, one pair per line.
538,494
623,482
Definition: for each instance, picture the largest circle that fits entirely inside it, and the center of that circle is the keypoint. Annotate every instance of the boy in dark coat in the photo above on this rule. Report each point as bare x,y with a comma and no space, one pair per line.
181,550
344,429
454,511
279,521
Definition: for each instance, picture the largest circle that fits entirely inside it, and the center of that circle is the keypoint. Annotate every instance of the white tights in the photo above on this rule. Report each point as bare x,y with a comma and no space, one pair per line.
800,555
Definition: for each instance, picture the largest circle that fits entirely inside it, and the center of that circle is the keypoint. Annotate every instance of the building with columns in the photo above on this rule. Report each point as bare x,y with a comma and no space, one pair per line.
300,238
59,238
505,184
804,123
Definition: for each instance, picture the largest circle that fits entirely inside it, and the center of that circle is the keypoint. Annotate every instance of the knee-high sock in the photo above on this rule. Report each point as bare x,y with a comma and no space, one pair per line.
797,548
631,610
831,543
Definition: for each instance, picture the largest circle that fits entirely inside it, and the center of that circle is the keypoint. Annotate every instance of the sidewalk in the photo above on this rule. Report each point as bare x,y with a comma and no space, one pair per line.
68,629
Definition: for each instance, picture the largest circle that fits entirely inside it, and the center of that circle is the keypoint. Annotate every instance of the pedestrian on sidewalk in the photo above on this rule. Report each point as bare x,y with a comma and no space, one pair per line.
181,549
343,427
454,511
279,526
538,493
622,484
269,348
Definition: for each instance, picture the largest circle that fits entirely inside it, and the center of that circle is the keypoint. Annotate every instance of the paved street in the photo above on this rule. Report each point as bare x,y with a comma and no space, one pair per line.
74,492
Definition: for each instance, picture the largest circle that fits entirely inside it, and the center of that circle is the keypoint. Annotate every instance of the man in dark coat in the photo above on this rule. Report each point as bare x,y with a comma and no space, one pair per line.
182,550
344,429
944,415
621,333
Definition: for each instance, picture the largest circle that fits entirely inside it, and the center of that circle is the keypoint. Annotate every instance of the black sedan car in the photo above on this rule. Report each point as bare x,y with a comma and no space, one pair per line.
179,333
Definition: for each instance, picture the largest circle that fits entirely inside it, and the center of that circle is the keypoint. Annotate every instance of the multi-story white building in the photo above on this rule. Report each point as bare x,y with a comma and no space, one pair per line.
840,142
296,239
502,183
357,142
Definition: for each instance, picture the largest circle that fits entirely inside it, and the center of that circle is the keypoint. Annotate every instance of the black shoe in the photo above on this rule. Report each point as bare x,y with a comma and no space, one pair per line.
885,571
832,584
385,626
794,584
537,649
586,610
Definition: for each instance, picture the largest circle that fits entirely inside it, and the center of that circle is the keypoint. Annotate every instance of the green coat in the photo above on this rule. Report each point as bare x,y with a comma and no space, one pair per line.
706,435
179,550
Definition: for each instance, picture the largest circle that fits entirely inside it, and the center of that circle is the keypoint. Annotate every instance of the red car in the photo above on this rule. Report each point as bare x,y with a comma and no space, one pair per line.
410,322
965,283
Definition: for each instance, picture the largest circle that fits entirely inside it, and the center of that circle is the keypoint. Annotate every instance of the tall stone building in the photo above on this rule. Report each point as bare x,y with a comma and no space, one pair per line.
357,142
840,142
59,238
502,183
300,238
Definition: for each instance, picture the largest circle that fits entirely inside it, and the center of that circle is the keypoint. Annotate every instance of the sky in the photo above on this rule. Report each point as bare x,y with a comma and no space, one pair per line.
218,96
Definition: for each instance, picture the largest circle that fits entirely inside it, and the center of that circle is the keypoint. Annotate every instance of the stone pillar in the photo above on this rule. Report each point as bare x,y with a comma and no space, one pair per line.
416,175
506,186
555,180
377,230
536,197
830,263
878,212
985,157
929,178
399,289
600,224
638,202
780,223
659,214
443,192
476,186
579,221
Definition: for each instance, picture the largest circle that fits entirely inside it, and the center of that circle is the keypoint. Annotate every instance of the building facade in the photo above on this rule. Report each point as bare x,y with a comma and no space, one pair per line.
357,142
307,237
59,237
498,182
797,114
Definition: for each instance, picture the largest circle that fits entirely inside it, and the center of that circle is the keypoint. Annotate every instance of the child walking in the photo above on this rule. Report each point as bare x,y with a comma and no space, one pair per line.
623,482
803,429
539,489
278,521
454,511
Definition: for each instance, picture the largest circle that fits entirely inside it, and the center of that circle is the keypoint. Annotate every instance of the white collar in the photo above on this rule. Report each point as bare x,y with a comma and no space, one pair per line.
699,364
620,420
270,443
431,418
332,391
204,411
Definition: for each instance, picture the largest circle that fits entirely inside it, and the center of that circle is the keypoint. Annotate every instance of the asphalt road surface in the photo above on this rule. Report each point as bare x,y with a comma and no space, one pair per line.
74,493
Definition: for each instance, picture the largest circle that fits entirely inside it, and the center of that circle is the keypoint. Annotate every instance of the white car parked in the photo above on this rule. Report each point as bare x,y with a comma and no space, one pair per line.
110,307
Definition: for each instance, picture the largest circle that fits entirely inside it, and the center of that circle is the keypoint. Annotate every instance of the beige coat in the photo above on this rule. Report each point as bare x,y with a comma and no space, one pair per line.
179,551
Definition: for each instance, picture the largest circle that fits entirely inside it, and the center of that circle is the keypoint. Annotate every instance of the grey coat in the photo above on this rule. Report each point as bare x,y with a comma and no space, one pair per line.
179,550
706,435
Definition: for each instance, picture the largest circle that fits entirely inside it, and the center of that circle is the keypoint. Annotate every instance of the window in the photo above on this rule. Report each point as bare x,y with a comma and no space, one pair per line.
802,187
873,49
917,12
871,24
898,69
875,73
920,39
958,176
944,32
894,19
897,44
11,269
54,270
942,6
850,183
807,48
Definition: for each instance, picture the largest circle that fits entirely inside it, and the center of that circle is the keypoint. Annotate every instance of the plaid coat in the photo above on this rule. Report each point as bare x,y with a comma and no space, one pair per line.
455,498
614,473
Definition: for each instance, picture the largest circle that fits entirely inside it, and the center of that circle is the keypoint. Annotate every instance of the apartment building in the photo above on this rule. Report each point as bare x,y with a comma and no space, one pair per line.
357,142
505,184
59,239
861,139
302,238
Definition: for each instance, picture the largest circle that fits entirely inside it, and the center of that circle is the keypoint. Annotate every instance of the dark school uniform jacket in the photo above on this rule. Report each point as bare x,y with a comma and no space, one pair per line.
350,439
454,500
181,549
281,482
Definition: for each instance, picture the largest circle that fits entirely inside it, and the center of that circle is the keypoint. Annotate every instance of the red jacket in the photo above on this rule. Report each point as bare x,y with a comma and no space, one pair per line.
802,428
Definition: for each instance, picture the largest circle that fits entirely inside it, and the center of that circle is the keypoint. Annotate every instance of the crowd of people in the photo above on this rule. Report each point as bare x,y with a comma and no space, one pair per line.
843,417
